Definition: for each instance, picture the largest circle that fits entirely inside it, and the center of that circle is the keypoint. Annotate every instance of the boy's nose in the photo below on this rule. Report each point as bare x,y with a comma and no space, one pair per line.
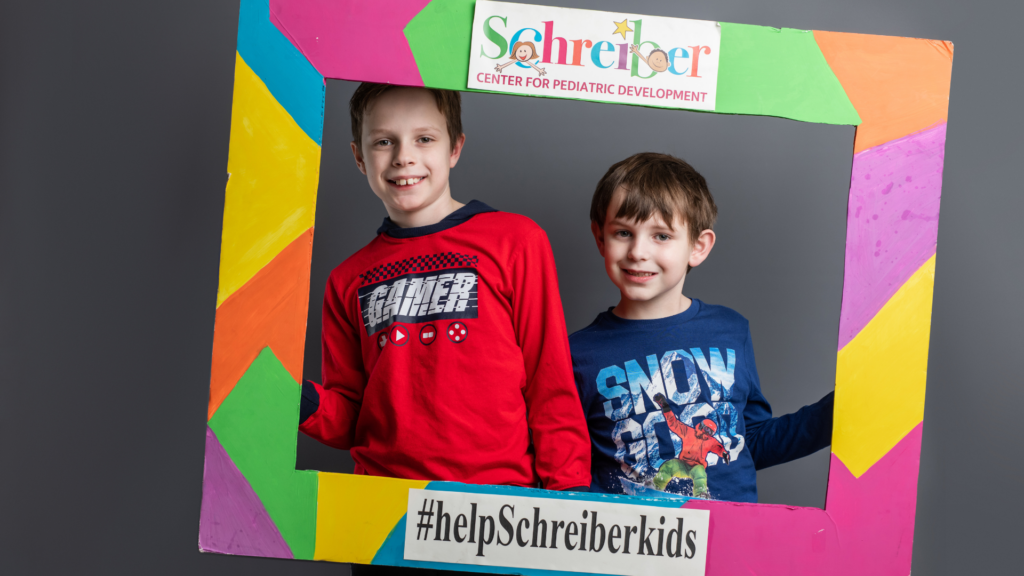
637,251
403,156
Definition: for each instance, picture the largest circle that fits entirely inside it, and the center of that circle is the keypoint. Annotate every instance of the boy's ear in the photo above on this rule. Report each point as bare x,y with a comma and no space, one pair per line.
702,247
359,158
457,151
598,236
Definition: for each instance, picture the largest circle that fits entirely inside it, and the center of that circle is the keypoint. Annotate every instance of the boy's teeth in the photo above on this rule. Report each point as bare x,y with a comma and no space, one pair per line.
402,182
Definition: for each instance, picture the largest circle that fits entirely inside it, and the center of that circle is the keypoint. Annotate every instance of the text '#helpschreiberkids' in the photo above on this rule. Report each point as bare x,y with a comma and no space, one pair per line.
500,530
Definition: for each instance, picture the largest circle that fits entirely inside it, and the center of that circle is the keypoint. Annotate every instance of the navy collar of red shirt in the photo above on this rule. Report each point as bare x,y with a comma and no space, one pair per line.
471,209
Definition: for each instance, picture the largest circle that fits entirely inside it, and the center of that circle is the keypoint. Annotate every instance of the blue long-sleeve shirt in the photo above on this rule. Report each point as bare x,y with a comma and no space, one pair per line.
698,364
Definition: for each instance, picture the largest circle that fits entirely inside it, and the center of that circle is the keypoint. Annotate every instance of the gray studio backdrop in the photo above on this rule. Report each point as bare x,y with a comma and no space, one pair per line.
114,126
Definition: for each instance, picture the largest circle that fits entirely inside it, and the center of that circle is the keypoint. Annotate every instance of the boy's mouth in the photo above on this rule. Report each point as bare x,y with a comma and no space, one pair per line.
405,181
639,275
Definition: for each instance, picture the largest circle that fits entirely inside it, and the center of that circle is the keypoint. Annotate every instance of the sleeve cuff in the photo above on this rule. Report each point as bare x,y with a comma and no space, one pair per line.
575,489
310,401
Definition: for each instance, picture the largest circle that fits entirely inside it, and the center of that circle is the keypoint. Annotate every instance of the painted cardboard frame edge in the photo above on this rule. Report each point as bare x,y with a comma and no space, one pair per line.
277,85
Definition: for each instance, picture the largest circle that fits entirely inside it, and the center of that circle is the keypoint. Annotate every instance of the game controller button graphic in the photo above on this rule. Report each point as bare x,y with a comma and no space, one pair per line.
458,332
399,335
428,334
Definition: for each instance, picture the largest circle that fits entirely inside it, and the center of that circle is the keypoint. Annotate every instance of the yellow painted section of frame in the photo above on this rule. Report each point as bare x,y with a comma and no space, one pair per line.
880,376
273,171
355,514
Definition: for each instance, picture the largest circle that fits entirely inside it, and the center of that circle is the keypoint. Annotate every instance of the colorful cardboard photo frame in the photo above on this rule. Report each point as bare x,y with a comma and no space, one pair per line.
895,90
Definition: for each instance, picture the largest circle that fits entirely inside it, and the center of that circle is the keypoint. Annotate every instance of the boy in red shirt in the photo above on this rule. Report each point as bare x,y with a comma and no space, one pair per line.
445,354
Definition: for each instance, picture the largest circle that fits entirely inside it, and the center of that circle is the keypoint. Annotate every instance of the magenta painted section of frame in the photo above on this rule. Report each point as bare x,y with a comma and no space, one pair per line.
892,223
863,529
876,510
373,47
233,520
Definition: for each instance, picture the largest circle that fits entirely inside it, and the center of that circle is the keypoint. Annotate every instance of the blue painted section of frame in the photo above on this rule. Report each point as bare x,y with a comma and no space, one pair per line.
293,81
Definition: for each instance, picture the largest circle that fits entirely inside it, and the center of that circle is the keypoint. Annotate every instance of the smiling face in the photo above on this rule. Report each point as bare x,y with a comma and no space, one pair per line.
406,155
523,53
657,61
646,261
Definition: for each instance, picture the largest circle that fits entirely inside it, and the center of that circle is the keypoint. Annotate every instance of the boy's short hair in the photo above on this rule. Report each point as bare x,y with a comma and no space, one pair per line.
656,183
449,103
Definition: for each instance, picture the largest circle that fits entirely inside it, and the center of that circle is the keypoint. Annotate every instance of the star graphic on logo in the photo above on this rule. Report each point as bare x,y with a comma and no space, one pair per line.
622,27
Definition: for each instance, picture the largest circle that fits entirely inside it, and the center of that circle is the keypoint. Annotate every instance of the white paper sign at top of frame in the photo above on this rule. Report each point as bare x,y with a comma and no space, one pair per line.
591,55
555,534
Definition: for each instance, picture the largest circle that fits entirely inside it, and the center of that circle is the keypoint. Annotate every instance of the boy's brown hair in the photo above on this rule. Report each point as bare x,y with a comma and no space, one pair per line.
656,184
449,103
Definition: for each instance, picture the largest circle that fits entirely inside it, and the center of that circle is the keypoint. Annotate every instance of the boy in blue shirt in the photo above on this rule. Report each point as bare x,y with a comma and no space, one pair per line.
668,384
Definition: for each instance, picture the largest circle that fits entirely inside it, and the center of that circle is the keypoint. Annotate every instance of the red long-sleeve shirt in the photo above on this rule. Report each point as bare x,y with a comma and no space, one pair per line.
444,347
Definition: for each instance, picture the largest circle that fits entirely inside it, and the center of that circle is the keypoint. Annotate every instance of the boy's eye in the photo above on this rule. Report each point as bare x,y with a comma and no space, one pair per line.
426,139
663,237
622,233
383,142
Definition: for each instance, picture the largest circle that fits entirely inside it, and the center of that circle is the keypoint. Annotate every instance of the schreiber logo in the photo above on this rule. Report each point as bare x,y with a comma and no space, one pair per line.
554,534
591,55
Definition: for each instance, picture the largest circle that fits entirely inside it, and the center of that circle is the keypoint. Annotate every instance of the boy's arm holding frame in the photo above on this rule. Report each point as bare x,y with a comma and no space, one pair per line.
329,411
773,441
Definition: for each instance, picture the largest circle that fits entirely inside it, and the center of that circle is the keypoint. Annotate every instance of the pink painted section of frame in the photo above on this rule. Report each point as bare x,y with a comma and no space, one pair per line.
877,510
769,539
866,528
233,520
353,40
892,222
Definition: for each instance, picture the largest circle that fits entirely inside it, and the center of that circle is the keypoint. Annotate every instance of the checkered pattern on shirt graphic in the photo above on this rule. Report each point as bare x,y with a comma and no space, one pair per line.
418,264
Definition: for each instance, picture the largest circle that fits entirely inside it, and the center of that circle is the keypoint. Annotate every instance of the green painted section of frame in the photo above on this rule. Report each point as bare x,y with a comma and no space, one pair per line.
256,424
762,71
441,56
766,71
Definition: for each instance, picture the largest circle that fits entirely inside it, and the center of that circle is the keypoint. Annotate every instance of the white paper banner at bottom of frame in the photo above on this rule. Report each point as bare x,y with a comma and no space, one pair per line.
555,534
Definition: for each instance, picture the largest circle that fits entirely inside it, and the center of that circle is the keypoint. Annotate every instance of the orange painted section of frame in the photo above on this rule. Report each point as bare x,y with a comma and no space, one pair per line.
269,310
898,85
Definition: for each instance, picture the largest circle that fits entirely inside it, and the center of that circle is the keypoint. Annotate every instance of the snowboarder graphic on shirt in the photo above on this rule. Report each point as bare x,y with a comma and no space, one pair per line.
692,459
